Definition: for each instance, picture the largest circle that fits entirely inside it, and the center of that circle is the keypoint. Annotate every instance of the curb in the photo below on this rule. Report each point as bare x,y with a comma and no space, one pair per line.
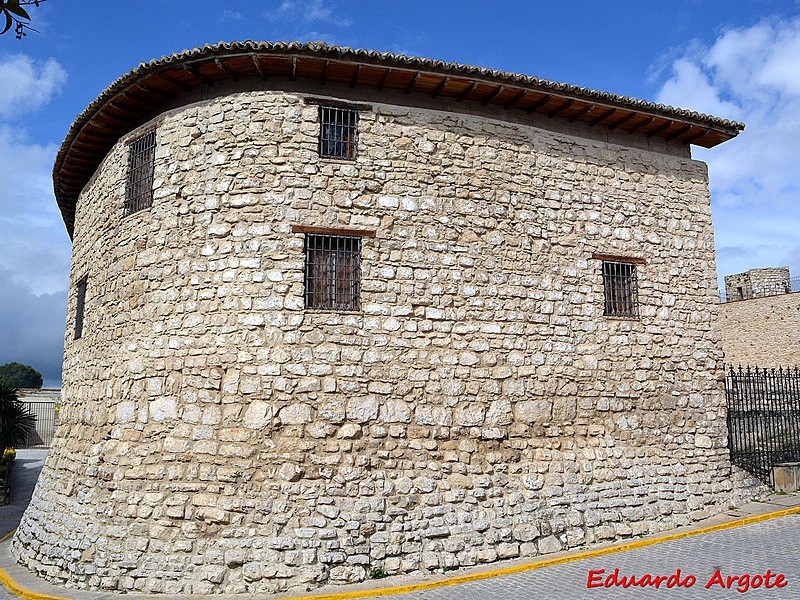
23,592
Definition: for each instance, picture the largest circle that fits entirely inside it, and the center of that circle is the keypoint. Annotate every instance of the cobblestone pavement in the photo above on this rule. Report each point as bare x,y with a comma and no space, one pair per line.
752,549
27,466
772,545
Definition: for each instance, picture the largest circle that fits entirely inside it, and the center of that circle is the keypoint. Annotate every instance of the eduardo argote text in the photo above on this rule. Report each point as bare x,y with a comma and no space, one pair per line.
599,578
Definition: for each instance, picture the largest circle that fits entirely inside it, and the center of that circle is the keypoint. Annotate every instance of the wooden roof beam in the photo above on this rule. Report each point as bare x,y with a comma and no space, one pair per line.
560,108
171,81
467,91
354,78
259,66
664,126
442,84
197,74
383,81
102,113
602,117
517,97
412,83
678,133
623,120
698,136
325,73
224,69
644,123
539,103
162,95
583,112
141,102
499,90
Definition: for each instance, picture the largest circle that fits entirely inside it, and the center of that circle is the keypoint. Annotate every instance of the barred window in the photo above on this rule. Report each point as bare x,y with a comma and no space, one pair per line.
141,160
338,132
333,272
79,306
620,289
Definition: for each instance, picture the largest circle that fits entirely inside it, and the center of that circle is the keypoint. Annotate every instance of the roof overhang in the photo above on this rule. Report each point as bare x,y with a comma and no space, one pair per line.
123,106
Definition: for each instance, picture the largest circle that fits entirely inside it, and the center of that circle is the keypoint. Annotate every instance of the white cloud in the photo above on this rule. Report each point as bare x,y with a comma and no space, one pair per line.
230,15
27,84
36,248
308,11
749,74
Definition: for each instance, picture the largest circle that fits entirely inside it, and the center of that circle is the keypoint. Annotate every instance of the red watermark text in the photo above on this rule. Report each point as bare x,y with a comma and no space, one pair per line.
599,578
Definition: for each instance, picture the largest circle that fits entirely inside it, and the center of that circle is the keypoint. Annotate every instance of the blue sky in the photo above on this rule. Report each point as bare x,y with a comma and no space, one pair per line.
738,60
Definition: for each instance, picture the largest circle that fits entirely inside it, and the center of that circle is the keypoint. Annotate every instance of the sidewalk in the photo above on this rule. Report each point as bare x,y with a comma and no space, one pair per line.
758,537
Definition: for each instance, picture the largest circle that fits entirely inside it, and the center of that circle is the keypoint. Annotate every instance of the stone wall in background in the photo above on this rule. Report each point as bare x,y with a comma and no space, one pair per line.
762,332
217,437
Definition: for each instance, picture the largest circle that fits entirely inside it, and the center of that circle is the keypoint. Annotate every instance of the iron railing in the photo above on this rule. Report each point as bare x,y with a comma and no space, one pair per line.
763,418
46,422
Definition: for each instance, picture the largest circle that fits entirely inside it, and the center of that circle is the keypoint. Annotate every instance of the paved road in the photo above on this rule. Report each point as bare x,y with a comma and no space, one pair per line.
27,466
752,549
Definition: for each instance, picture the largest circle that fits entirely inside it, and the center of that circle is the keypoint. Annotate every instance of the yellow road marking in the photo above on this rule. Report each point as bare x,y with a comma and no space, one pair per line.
23,592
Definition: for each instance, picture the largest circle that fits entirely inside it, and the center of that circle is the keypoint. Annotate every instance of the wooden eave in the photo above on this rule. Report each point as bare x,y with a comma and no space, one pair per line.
137,96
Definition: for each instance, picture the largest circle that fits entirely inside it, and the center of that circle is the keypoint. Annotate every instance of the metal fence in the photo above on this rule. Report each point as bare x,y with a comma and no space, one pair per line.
42,434
763,418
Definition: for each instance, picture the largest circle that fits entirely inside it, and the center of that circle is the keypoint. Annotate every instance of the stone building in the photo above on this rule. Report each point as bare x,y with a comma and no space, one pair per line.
764,330
756,283
333,310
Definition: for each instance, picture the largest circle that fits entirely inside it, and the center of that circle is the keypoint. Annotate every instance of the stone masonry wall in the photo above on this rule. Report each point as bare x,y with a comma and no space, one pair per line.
763,332
217,437
757,282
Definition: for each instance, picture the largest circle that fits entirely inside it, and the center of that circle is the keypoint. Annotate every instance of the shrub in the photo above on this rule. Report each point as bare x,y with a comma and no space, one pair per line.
15,420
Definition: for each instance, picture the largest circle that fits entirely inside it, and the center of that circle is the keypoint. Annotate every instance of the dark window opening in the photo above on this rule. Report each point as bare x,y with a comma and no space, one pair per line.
79,306
338,132
333,272
620,289
141,161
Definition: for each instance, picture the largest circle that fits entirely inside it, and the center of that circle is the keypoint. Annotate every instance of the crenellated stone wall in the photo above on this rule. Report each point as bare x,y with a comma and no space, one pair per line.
217,437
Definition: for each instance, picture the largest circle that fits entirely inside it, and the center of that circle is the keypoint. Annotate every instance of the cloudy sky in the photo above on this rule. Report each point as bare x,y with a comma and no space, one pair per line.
739,60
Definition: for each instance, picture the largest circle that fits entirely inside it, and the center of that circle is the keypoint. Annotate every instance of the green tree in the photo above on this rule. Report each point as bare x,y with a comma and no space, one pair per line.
20,376
15,420
16,16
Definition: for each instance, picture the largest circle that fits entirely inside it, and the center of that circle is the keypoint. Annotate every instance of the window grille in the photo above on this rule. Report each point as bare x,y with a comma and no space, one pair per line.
620,289
141,160
333,272
79,306
338,132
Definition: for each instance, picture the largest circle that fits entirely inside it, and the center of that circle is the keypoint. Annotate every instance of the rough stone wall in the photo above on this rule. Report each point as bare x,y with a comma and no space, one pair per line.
763,332
757,282
217,437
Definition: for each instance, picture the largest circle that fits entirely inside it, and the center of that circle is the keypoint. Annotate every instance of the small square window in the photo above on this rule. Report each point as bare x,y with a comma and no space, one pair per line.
620,289
141,161
338,132
333,272
80,302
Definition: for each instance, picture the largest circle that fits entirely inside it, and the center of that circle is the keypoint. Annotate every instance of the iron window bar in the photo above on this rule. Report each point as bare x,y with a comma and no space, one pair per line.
620,288
141,163
333,272
338,132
